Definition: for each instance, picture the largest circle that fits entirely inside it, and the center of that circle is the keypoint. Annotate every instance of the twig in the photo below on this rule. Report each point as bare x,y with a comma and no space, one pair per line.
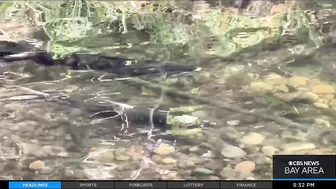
22,98
34,91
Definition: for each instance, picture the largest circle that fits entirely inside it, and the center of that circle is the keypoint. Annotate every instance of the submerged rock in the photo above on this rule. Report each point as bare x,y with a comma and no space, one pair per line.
200,171
298,81
107,157
252,139
261,87
186,120
269,150
164,149
322,89
245,166
229,173
232,152
322,122
229,133
321,105
233,122
186,163
214,165
298,146
169,160
36,165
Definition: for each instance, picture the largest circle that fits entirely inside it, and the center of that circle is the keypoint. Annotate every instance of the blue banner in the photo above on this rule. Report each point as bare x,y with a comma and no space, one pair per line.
34,185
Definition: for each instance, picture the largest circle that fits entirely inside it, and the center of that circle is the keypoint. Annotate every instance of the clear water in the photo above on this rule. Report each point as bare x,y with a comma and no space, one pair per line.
49,114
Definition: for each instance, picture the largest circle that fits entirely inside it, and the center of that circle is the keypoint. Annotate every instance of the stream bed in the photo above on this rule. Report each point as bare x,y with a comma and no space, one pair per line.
37,140
57,123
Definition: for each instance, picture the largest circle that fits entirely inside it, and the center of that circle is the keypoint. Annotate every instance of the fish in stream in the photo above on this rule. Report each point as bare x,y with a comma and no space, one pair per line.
79,61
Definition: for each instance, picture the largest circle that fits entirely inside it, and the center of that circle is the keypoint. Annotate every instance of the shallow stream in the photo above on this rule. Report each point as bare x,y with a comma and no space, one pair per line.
61,124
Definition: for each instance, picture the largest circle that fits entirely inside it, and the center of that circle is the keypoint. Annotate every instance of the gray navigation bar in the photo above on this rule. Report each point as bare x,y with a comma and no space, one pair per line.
167,184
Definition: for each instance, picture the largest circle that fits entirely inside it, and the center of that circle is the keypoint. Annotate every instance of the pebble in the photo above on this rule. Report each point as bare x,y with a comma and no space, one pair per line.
184,173
230,151
287,97
63,154
322,122
186,164
269,150
205,145
281,88
289,136
272,142
328,97
107,157
322,89
36,165
211,177
193,149
257,158
261,86
252,139
251,149
164,149
274,78
209,155
198,160
245,166
169,160
298,81
215,143
31,148
200,171
214,165
46,170
80,174
333,104
71,89
156,158
229,173
172,175
229,133
321,105
122,157
309,96
297,146
268,161
233,122
186,120
200,114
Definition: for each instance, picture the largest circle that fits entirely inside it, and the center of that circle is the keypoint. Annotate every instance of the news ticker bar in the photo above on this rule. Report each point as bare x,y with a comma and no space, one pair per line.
168,184
289,171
